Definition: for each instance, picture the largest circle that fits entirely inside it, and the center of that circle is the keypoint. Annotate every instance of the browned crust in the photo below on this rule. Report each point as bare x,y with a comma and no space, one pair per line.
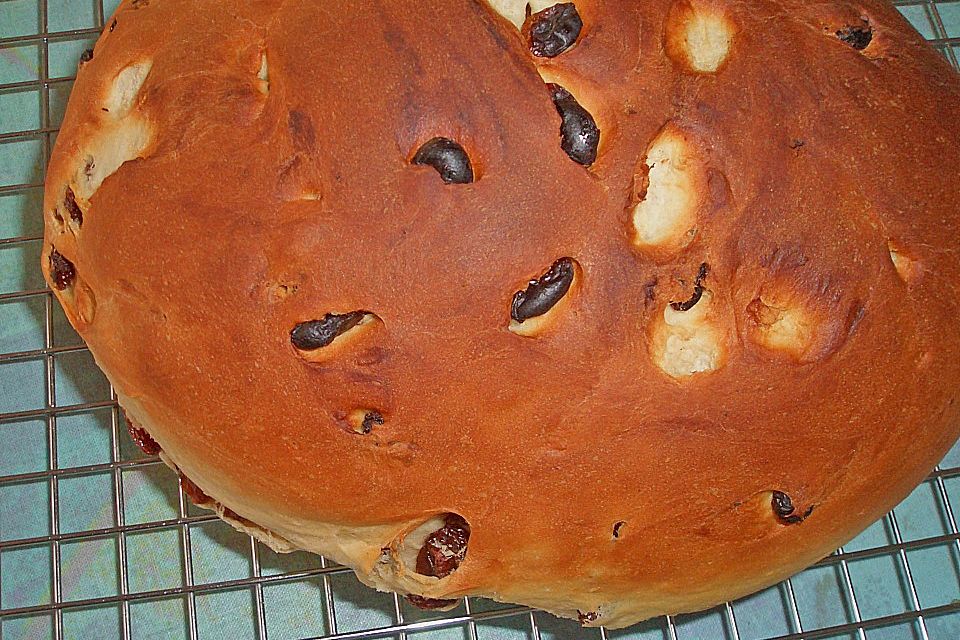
821,156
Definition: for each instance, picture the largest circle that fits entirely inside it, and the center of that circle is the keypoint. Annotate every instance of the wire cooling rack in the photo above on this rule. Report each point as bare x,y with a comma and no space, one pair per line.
97,541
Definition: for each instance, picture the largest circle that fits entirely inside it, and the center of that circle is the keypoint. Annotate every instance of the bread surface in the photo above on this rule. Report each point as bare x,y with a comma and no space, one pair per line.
756,352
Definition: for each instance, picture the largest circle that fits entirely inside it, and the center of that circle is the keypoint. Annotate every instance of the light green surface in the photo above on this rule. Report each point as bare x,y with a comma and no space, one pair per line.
300,607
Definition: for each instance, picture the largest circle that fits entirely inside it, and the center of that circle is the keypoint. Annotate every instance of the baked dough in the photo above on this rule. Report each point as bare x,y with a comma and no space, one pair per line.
734,224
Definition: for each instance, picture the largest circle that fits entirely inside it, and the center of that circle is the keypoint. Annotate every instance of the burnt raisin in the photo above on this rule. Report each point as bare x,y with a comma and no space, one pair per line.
429,604
142,439
785,511
444,549
62,271
544,292
554,30
579,135
314,334
697,291
86,56
857,37
782,504
70,204
448,158
370,419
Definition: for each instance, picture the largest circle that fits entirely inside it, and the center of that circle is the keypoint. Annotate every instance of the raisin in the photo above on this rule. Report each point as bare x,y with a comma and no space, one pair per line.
543,293
113,25
444,549
782,504
62,271
854,316
192,491
429,604
589,616
579,135
616,529
233,515
719,187
448,158
70,204
370,419
697,291
554,30
857,37
314,334
142,439
86,56
650,291
302,131
785,511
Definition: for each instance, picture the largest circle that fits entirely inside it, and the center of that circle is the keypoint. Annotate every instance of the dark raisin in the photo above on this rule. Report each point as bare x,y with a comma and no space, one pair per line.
785,511
616,529
579,135
782,504
192,491
544,292
429,604
697,291
857,37
589,616
444,549
113,25
70,204
62,271
448,158
554,30
314,334
86,56
370,419
142,439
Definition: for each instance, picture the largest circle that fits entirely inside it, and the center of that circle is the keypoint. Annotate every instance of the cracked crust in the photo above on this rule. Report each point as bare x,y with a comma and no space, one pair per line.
240,167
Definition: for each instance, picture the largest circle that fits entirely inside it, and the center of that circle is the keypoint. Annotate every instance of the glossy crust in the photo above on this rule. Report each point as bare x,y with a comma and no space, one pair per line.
249,196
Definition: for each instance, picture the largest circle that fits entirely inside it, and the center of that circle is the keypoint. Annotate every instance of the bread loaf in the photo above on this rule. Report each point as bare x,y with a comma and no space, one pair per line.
613,309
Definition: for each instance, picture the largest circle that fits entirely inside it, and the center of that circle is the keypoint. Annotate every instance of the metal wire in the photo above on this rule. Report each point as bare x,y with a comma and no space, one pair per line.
118,514
190,589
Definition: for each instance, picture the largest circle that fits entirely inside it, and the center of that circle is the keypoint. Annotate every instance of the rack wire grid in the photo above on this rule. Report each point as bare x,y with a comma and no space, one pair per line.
97,540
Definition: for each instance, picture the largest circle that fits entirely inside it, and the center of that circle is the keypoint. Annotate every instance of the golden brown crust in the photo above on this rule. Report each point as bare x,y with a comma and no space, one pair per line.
244,166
